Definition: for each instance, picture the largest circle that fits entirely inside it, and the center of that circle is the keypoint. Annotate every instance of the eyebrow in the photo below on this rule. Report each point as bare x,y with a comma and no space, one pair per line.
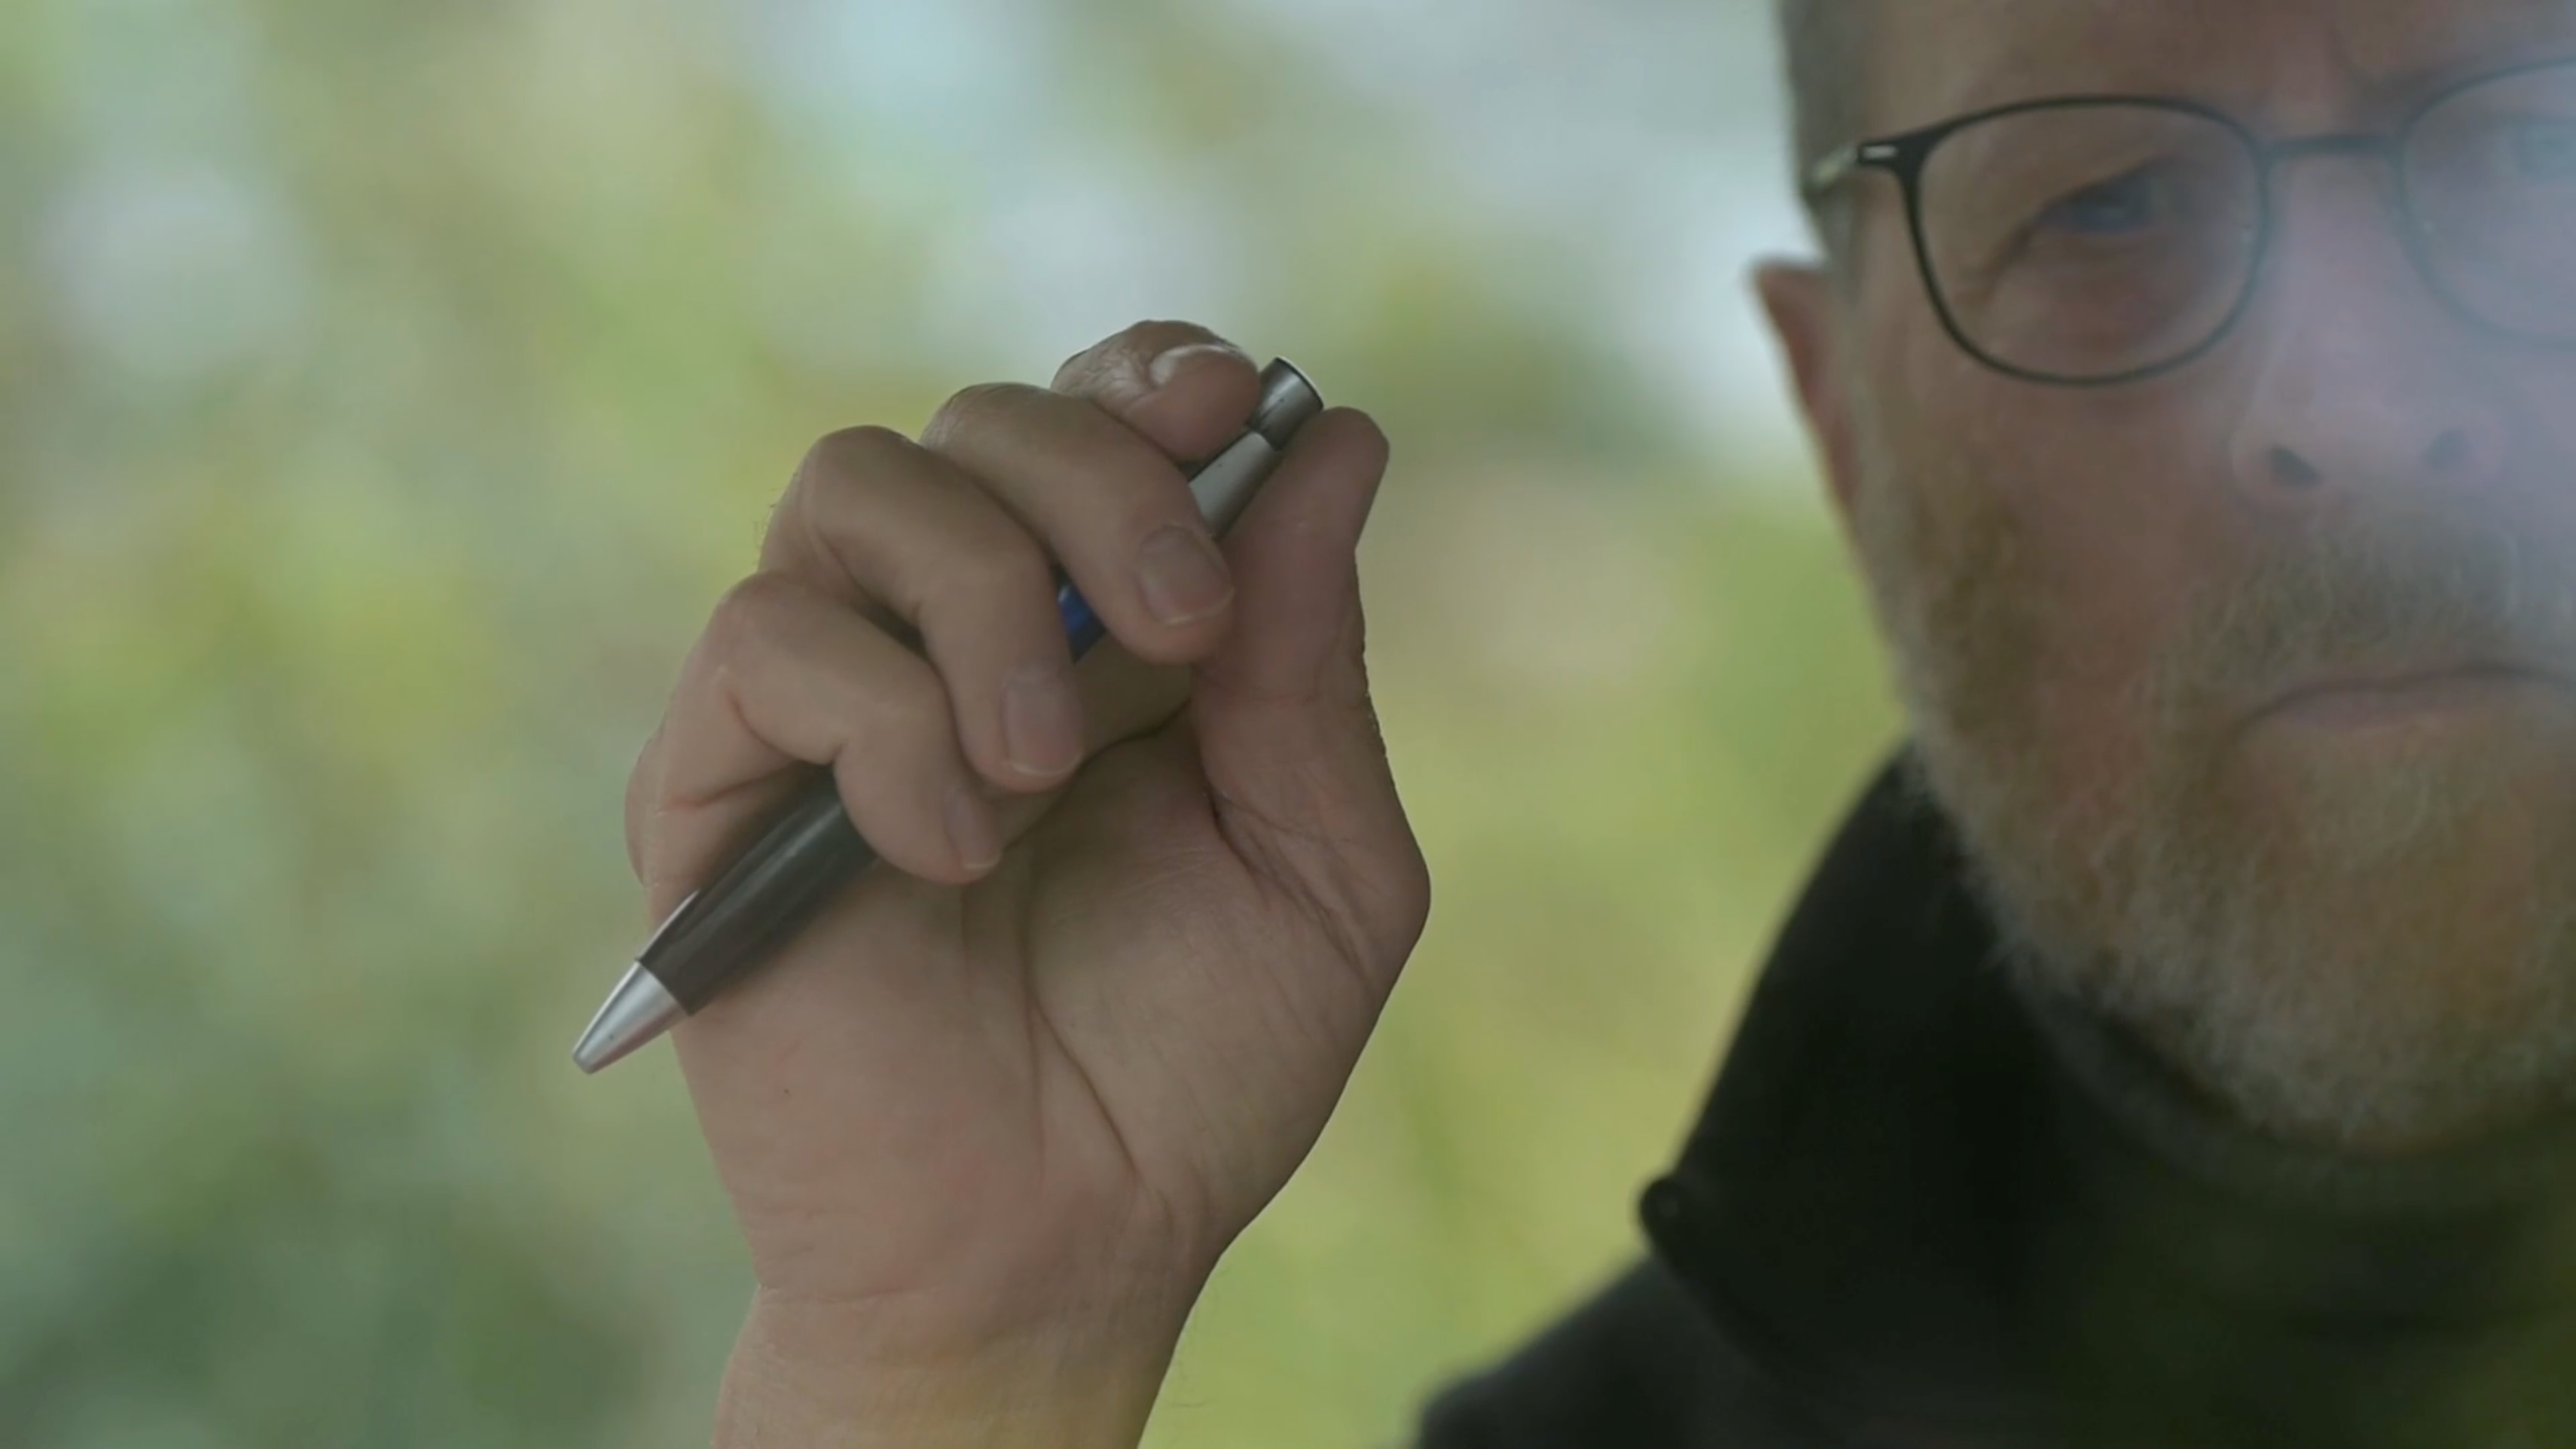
2412,82
2533,31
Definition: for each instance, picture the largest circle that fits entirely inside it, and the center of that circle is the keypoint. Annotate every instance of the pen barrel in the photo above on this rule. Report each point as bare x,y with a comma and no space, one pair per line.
761,901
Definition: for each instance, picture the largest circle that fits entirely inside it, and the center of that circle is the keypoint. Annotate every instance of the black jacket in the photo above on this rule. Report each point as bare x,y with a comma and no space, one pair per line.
1902,1224
1820,1249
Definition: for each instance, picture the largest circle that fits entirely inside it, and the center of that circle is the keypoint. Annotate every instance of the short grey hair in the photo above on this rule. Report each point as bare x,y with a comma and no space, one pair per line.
1826,47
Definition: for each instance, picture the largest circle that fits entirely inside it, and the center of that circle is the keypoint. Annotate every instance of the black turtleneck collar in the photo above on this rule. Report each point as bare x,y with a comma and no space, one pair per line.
1938,1214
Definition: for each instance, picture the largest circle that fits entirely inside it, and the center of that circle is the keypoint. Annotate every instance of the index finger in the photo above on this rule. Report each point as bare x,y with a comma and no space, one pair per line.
1186,389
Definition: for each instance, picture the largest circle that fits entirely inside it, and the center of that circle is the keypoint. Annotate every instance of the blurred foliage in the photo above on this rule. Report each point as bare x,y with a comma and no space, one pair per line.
386,390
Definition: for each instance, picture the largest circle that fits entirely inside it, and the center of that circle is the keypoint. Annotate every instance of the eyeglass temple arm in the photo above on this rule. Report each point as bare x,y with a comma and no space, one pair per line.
1839,166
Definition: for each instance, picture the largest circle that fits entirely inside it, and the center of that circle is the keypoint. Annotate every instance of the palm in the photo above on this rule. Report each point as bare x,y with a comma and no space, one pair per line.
1123,1040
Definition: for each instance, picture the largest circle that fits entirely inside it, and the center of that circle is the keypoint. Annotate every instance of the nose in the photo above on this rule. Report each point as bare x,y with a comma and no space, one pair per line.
2364,381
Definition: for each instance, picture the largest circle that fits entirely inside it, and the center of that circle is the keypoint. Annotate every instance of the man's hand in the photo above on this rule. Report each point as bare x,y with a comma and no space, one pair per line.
987,1128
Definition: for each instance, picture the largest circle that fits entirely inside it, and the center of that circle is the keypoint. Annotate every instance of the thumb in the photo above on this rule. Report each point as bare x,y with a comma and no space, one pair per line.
1284,725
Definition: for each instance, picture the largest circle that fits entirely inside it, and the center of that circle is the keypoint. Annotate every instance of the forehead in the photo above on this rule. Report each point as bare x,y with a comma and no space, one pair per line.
1935,58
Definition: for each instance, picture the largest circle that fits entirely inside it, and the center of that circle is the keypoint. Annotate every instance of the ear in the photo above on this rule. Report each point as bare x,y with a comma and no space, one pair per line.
1806,310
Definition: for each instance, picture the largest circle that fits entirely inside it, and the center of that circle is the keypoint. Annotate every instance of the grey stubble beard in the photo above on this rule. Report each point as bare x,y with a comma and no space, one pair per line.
2349,959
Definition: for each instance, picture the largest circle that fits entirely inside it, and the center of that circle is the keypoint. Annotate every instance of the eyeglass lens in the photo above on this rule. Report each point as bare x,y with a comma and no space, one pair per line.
2093,240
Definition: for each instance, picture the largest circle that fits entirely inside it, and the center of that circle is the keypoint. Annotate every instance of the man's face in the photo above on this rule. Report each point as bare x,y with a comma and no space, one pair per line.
2252,685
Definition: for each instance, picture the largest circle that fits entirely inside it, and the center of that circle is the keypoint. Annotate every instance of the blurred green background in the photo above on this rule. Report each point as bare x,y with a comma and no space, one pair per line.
388,389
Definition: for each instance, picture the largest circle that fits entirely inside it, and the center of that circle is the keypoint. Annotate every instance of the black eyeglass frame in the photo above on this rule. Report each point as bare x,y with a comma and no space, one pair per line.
1905,155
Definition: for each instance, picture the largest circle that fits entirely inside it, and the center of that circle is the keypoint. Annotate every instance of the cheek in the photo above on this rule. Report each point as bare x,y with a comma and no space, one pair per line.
2118,509
2095,511
2541,412
2109,581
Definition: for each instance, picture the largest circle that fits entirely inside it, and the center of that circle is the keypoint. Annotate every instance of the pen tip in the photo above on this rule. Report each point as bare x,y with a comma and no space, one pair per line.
639,1010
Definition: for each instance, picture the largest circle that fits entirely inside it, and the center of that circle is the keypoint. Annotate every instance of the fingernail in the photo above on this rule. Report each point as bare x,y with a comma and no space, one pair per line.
1041,722
972,831
1184,577
1168,366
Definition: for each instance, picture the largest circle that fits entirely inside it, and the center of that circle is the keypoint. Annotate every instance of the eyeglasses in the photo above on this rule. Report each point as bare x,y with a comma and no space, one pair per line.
2093,240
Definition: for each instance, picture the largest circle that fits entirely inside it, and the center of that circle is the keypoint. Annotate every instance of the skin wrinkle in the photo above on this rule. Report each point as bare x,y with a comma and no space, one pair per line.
2366,941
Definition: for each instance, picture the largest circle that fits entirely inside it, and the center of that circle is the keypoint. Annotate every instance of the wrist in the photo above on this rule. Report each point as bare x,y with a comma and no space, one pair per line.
857,1376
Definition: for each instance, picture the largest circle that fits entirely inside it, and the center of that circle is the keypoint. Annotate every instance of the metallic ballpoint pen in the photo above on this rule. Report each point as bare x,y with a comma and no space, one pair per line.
766,895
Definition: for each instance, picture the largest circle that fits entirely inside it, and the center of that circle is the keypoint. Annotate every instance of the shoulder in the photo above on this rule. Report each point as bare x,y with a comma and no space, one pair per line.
1640,1366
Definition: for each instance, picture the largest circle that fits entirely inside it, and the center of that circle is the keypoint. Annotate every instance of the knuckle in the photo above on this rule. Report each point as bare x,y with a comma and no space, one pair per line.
748,613
836,497
849,453
906,709
1122,358
1168,332
1004,564
975,409
833,476
1087,364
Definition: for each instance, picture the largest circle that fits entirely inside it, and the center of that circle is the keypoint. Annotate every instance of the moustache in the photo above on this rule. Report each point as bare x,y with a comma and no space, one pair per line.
2375,595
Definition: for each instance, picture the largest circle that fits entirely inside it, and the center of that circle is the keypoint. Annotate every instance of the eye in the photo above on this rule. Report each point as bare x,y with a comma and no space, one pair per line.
2123,204
2545,150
